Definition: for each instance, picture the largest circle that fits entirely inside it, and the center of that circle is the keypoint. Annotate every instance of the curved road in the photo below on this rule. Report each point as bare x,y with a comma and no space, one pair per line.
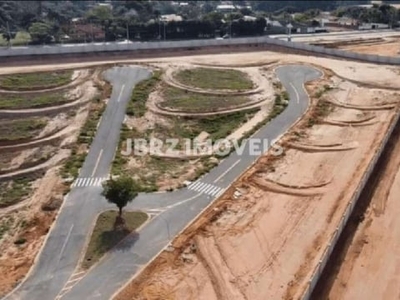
54,276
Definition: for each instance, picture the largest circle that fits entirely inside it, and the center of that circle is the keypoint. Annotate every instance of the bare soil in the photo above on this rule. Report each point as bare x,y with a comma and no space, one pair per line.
370,265
266,244
25,224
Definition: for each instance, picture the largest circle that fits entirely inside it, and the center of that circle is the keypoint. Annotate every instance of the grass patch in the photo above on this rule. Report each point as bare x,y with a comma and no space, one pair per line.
12,101
137,105
193,102
217,127
5,225
21,38
33,81
323,90
105,237
21,129
12,192
73,164
215,79
320,111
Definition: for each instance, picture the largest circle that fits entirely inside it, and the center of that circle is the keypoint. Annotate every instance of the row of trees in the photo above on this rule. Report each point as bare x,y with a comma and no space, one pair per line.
52,20
376,14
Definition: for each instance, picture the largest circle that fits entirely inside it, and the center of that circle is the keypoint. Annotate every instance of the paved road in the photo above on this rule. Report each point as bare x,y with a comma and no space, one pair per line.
54,277
340,36
64,245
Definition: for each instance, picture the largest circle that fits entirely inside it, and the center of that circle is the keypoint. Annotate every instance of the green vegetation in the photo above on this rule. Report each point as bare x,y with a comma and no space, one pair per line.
13,101
217,127
12,192
33,81
137,105
280,104
21,129
88,132
5,225
323,90
89,129
121,191
194,102
321,110
21,38
105,236
215,79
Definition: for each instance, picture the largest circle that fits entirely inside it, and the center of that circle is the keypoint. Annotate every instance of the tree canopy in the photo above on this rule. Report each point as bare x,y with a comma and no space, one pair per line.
121,191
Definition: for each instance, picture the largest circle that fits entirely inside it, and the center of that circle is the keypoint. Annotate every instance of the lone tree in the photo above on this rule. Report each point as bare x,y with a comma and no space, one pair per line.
121,191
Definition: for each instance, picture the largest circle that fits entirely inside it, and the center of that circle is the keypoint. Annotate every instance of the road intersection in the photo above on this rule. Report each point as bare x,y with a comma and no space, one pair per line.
55,274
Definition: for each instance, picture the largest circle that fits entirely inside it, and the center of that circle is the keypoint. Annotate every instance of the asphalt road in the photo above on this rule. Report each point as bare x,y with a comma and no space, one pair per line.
66,240
53,277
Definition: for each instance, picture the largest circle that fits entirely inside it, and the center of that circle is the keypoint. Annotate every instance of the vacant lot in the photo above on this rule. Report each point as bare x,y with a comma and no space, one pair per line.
105,236
21,129
14,191
13,101
194,102
215,79
34,81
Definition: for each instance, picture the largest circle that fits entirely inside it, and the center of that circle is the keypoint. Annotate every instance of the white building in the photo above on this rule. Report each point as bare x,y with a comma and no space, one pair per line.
171,18
226,8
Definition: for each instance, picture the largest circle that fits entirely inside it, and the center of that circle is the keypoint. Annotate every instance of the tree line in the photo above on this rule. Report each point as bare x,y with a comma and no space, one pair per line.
51,21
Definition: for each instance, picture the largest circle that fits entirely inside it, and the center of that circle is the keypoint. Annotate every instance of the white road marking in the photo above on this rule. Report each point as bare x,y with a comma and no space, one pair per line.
199,187
98,123
230,168
296,92
195,185
65,242
203,188
78,184
215,190
77,274
97,162
206,191
220,193
120,93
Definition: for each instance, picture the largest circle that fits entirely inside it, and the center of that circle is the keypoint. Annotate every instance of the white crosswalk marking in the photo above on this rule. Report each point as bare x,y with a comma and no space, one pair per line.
206,188
199,187
214,191
89,181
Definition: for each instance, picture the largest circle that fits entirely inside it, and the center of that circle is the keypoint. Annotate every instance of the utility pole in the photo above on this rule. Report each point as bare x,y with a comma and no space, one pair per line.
127,31
9,35
165,33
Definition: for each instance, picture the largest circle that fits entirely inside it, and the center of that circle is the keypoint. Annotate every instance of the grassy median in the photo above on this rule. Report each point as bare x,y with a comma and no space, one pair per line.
220,79
195,102
105,237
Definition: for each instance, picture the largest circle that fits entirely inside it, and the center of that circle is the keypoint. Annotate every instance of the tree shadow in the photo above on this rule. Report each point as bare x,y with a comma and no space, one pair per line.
118,239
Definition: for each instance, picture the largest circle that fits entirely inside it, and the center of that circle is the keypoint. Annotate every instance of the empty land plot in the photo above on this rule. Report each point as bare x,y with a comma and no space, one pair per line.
105,236
14,191
21,129
215,79
175,98
369,268
32,81
13,101
217,127
244,247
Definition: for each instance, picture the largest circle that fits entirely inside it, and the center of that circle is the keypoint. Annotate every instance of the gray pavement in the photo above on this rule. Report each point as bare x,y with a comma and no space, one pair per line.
53,277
